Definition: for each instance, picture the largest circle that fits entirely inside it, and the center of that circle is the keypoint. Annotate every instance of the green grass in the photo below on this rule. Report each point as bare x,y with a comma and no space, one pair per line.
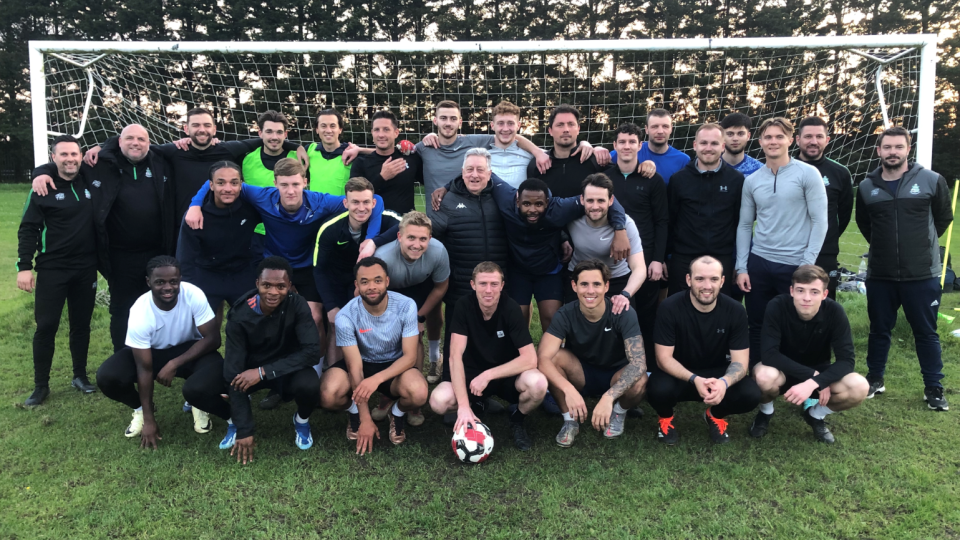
66,471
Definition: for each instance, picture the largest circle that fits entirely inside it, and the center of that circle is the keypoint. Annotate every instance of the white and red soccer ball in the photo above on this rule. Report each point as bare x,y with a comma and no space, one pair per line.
473,444
406,147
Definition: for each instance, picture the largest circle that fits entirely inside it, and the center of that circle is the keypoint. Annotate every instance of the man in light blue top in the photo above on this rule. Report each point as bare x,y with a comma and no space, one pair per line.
788,201
657,146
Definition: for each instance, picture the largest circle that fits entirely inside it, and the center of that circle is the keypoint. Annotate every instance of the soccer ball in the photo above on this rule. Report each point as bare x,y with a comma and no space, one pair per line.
473,444
406,147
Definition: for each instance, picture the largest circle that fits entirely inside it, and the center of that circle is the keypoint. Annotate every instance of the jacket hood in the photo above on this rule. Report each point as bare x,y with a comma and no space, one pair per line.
460,187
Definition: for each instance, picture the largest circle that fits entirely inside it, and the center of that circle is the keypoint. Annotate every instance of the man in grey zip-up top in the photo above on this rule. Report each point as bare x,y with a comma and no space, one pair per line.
789,203
902,209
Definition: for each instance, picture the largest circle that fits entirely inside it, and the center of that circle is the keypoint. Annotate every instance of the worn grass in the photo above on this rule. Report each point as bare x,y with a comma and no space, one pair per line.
66,471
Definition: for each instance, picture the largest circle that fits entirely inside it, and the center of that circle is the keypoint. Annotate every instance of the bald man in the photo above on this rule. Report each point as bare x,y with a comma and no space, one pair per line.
135,206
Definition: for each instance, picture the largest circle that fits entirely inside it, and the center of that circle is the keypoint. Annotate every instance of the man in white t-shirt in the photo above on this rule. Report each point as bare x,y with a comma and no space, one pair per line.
171,333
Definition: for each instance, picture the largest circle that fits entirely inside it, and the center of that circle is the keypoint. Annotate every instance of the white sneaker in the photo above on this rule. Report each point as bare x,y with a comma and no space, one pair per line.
136,425
201,421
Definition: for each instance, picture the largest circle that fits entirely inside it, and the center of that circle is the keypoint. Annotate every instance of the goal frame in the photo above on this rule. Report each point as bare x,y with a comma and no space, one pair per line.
927,43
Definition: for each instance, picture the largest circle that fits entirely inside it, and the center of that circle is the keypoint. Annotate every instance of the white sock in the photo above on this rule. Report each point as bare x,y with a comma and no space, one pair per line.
138,409
819,411
299,420
434,350
353,408
567,416
618,409
766,408
229,421
395,410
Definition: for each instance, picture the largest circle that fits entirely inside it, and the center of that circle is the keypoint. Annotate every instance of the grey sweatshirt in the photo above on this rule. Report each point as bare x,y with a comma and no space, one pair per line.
790,209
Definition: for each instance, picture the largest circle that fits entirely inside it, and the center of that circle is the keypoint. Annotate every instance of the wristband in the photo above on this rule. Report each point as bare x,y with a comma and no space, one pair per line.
625,294
260,371
692,378
726,385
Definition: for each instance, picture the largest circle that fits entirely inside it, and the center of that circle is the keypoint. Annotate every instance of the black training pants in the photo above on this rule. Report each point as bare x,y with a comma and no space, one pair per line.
204,390
117,376
127,281
664,391
78,288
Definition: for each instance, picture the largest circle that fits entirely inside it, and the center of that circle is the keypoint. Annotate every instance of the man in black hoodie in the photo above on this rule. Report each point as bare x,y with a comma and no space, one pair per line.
60,228
703,202
272,342
902,210
812,140
135,212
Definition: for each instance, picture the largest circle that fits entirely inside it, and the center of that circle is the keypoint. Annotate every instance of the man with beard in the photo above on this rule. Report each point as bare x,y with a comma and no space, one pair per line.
603,356
902,209
393,174
378,333
271,343
61,230
736,138
656,148
788,202
703,202
702,355
136,212
812,140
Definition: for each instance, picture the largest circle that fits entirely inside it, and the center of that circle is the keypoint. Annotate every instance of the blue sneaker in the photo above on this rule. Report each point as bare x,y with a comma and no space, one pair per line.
304,438
230,438
187,407
550,405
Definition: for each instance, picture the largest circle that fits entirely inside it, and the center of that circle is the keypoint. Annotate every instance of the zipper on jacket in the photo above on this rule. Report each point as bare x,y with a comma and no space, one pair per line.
74,192
775,175
483,221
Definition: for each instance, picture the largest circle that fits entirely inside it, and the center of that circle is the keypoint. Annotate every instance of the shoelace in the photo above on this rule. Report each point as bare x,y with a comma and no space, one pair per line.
666,424
720,423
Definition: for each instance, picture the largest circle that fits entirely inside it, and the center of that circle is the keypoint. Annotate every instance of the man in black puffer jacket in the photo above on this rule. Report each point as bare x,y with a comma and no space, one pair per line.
902,209
469,222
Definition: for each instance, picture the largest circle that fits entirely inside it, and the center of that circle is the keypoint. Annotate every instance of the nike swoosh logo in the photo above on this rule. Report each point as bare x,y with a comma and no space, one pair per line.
602,239
362,331
607,329
341,243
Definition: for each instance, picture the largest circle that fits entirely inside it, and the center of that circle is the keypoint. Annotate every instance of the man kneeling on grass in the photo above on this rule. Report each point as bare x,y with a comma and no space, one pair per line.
799,330
272,343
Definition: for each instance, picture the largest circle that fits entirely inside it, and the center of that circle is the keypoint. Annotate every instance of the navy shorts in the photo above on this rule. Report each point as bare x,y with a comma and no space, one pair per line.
596,379
369,370
221,286
522,286
303,281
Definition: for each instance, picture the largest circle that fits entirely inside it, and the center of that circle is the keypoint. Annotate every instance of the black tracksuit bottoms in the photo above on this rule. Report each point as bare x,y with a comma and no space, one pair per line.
204,390
78,288
664,391
127,281
117,376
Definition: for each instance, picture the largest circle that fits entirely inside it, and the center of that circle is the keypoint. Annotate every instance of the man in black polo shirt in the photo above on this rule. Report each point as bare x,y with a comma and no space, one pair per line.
812,140
696,332
603,356
392,173
799,330
491,354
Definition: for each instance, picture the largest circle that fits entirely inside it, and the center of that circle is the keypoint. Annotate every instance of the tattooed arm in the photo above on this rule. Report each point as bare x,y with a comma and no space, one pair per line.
634,371
739,366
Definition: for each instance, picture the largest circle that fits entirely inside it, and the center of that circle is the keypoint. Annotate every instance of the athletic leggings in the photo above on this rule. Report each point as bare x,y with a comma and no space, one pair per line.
204,390
117,376
664,391
78,288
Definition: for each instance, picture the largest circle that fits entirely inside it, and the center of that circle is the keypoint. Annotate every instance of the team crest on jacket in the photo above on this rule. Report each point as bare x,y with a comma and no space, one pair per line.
87,193
915,190
96,183
826,181
874,192
149,173
60,196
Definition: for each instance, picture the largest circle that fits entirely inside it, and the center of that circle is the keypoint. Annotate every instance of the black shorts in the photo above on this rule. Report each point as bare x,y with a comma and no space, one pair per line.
304,283
793,381
223,287
596,379
522,286
505,389
369,370
418,293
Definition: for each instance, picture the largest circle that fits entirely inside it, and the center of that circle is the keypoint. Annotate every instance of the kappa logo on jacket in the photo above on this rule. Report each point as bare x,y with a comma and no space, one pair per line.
461,205
60,197
874,192
95,183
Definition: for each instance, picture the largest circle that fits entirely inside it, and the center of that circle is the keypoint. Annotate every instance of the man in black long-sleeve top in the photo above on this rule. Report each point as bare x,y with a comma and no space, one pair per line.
812,140
272,342
799,331
60,228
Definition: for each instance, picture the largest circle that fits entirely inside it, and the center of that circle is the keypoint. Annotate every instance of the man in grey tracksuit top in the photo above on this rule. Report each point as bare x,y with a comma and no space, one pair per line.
788,201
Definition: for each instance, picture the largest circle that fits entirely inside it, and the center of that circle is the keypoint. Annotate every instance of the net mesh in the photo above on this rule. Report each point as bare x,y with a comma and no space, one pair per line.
609,88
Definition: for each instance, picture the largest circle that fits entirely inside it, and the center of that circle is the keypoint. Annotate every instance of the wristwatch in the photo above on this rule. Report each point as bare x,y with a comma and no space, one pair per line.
421,318
625,294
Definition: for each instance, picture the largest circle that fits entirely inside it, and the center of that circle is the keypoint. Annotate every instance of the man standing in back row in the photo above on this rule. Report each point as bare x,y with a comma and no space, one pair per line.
902,209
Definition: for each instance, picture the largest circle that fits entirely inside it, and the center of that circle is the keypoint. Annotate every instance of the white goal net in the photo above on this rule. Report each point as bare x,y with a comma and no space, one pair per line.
859,86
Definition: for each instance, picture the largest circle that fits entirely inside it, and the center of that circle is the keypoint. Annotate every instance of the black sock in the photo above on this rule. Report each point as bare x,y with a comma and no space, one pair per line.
354,421
398,422
516,416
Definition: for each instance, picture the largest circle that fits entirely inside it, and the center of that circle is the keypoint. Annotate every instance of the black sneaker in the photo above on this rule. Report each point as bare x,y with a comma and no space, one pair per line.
492,406
933,395
760,425
820,429
39,394
271,401
520,438
666,433
635,412
717,428
82,383
876,387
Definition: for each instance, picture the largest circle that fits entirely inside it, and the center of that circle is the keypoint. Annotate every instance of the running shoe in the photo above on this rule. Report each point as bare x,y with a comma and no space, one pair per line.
353,426
933,395
568,433
38,396
136,425
876,387
615,429
760,425
717,428
82,383
304,438
382,410
201,421
433,372
415,418
666,433
187,407
520,438
230,438
397,434
820,429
